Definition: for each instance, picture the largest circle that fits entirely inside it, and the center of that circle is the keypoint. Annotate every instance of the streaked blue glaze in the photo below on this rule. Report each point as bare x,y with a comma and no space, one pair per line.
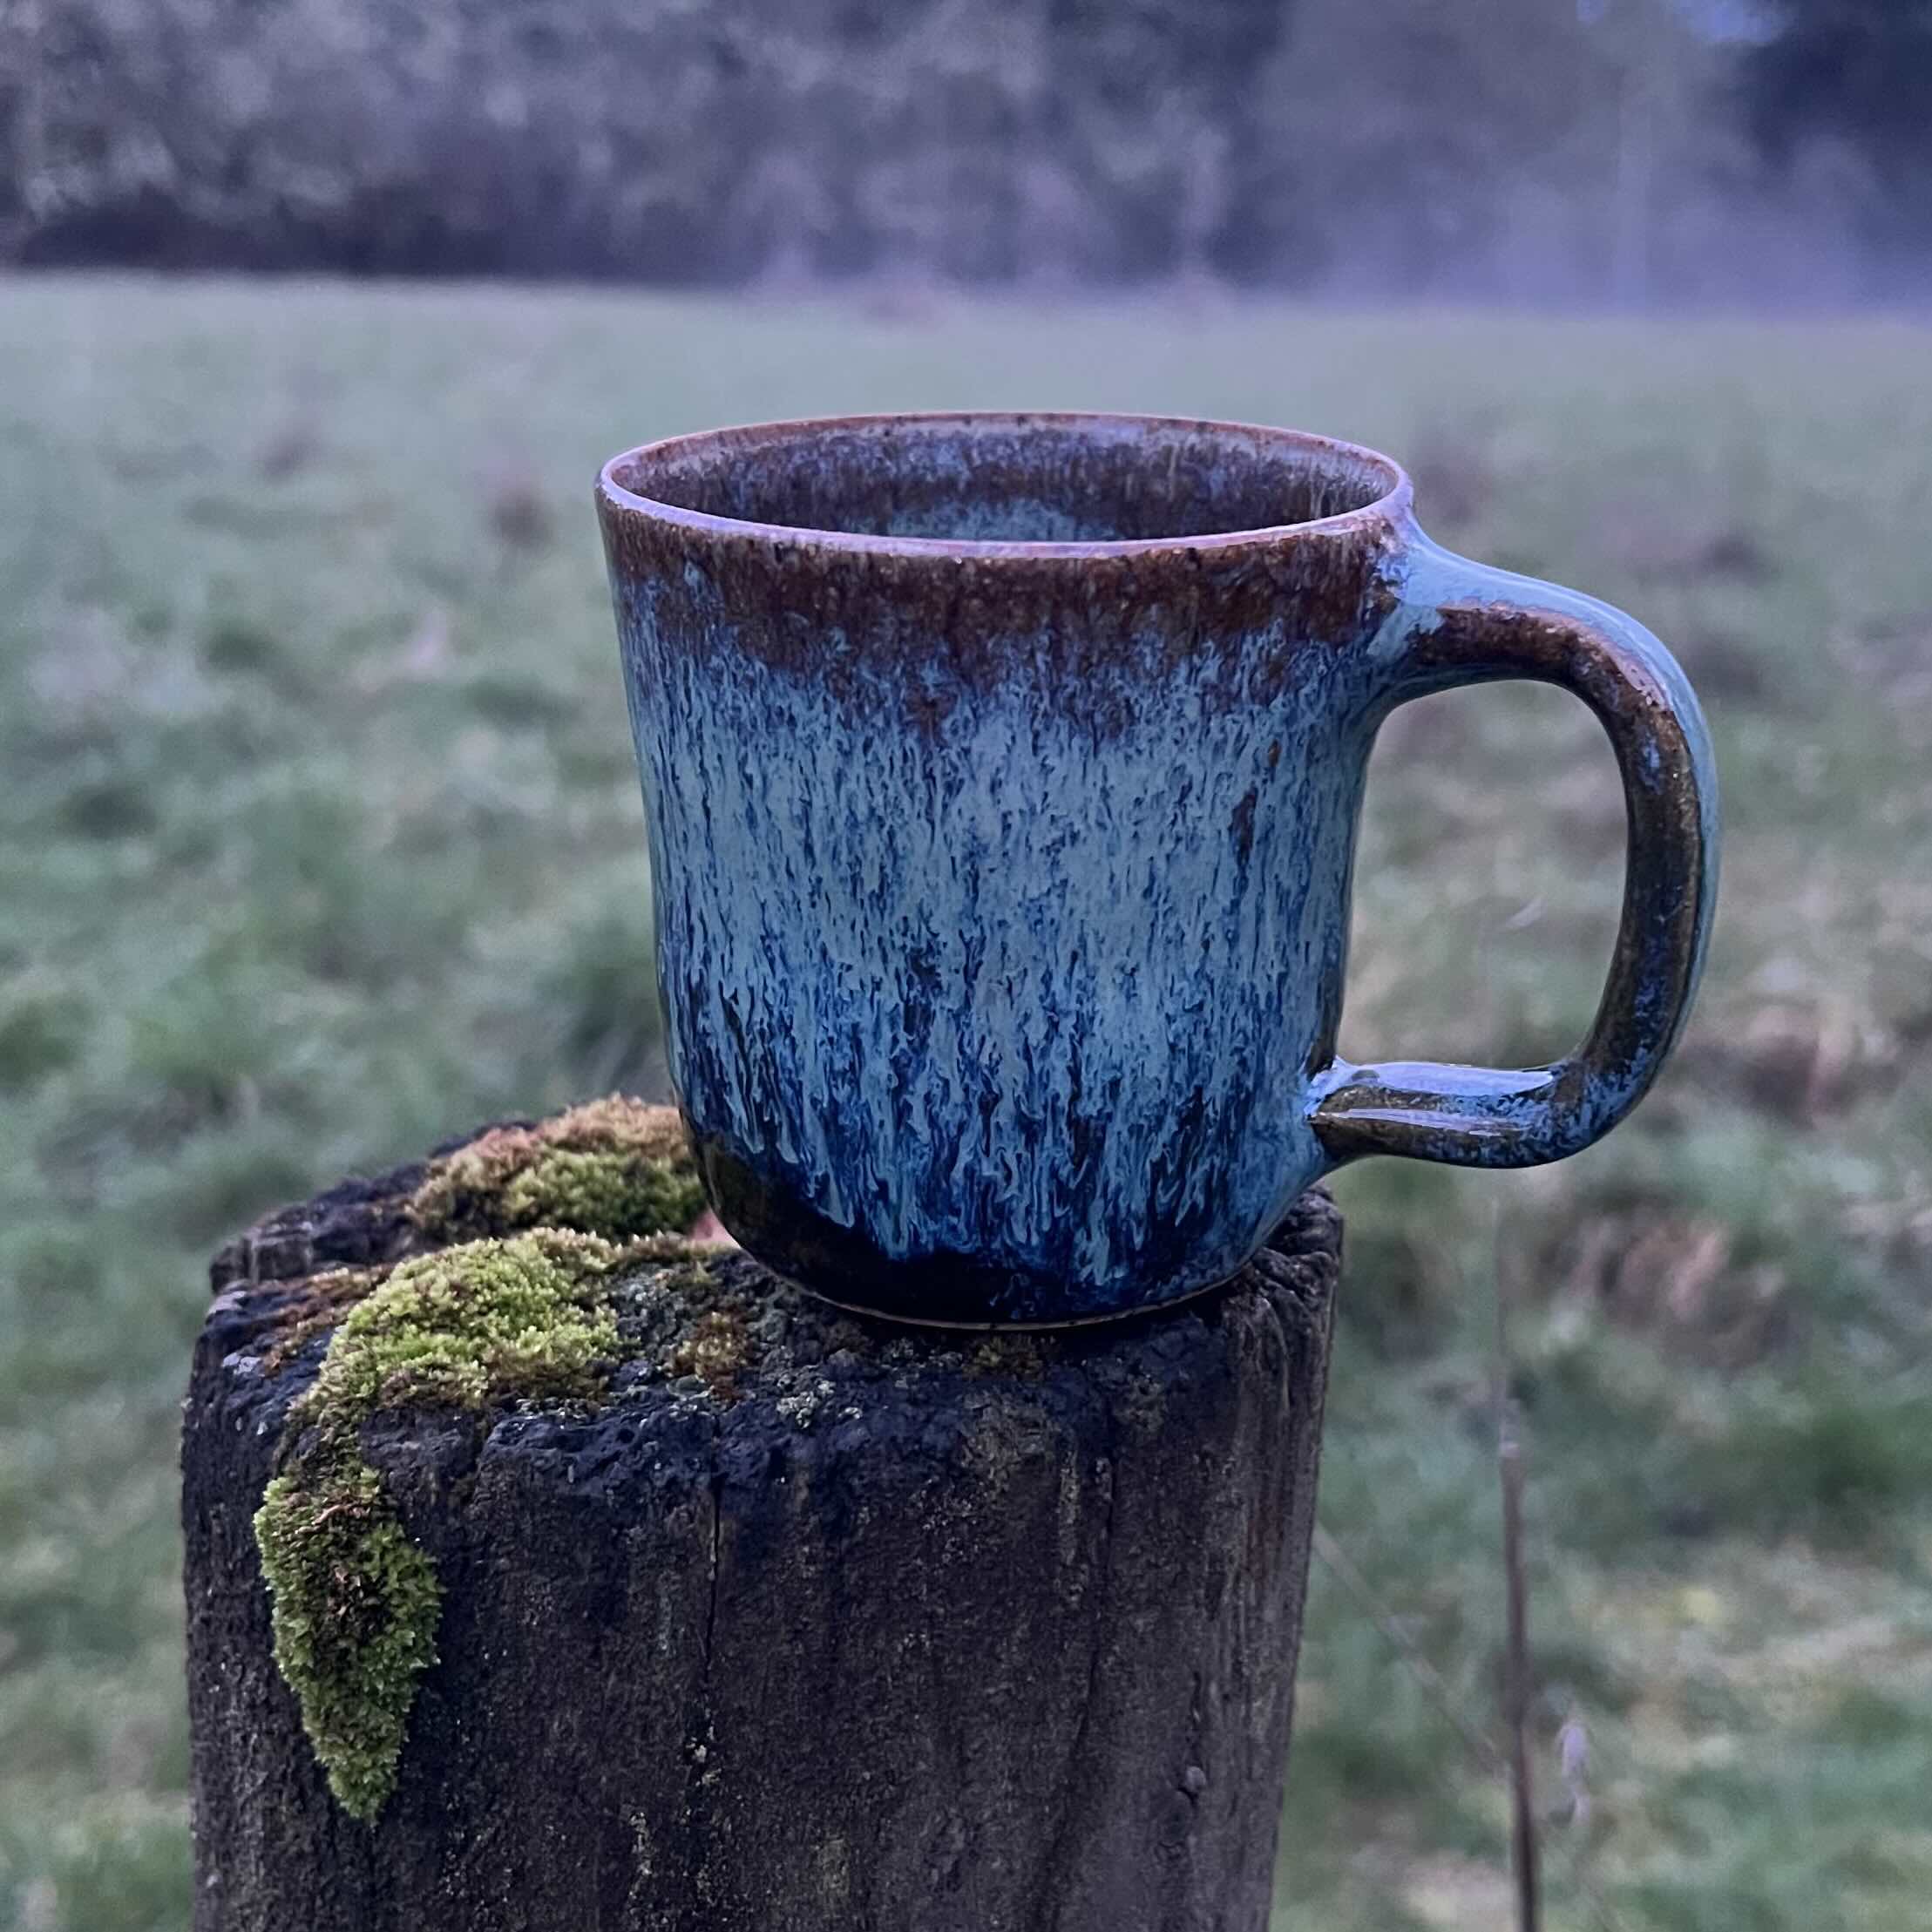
1002,890
1013,990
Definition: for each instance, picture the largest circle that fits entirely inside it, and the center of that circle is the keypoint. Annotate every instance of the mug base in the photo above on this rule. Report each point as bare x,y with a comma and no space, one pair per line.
996,1325
840,1266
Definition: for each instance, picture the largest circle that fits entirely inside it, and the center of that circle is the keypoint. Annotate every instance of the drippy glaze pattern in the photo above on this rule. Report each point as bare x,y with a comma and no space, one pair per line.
1002,811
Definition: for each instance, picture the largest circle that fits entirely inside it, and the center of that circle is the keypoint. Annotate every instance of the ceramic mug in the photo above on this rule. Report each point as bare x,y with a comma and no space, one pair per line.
1002,775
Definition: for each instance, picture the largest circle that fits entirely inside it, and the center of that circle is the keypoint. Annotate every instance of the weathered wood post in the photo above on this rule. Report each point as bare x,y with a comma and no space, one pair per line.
617,1583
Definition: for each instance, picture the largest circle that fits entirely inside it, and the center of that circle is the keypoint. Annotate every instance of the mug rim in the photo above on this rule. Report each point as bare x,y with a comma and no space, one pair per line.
1393,501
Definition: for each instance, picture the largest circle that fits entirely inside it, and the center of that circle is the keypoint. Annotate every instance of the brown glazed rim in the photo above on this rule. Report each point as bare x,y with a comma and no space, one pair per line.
1393,503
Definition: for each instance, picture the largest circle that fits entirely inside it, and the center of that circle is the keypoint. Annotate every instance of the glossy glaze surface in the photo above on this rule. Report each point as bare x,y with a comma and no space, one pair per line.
1002,777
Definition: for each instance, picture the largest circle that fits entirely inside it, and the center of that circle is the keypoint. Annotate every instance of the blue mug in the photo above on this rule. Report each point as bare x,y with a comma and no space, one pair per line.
1002,775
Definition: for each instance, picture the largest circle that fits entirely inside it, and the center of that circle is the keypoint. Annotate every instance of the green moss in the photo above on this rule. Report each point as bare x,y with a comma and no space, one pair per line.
613,1168
356,1603
486,1322
520,1308
355,1611
611,1194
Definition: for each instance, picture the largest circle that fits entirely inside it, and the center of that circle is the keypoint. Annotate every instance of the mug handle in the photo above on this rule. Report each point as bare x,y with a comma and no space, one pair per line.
1461,622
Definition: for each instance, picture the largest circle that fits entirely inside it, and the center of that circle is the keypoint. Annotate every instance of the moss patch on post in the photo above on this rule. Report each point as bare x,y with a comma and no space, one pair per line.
613,1168
355,1609
356,1603
500,1317
484,1322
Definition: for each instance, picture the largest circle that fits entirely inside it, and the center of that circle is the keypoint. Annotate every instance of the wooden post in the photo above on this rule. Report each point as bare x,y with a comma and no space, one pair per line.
772,1620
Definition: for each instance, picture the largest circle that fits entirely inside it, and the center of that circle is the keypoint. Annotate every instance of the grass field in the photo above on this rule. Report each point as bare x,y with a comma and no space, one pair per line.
322,840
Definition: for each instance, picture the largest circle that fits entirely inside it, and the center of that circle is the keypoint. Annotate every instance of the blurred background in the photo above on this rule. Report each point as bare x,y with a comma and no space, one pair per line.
322,839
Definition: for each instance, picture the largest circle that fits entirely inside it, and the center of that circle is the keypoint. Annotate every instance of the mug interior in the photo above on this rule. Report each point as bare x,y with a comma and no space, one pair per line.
1010,479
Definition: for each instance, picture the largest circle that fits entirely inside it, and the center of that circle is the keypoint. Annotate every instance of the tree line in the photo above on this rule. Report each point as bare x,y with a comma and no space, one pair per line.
1566,150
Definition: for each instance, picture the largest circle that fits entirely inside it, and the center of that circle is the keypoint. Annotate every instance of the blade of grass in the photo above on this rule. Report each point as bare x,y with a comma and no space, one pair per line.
1524,1851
